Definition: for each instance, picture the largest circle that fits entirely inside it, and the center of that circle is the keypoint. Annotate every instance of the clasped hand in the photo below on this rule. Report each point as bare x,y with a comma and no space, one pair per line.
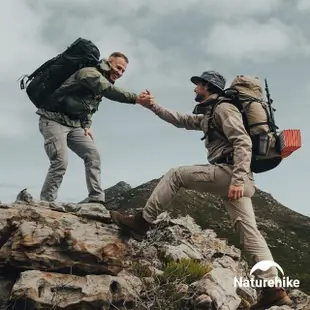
145,98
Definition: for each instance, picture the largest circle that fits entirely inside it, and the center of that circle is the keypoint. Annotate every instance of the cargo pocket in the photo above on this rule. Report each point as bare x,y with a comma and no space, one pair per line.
51,150
238,227
43,124
206,174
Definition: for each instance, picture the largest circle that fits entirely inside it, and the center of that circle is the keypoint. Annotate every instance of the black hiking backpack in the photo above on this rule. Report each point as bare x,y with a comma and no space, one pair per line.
51,74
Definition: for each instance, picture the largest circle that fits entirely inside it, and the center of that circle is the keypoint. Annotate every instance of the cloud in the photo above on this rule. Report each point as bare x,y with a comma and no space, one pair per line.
214,8
239,8
23,52
307,88
9,186
11,126
254,41
23,45
303,5
140,8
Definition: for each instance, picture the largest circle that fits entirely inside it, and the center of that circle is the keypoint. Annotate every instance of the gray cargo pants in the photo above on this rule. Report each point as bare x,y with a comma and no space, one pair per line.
215,179
57,139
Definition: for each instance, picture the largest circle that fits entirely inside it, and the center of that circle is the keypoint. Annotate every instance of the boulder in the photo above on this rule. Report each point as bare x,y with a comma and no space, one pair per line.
40,238
45,290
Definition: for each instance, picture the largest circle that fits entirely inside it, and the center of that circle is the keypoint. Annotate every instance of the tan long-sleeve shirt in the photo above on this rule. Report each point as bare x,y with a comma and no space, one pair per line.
232,135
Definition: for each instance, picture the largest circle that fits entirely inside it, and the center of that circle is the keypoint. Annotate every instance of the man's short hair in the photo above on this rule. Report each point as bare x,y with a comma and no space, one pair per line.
119,54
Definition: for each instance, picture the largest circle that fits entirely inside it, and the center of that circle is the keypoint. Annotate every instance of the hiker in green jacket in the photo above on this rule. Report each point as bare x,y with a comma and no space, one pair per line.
66,119
228,175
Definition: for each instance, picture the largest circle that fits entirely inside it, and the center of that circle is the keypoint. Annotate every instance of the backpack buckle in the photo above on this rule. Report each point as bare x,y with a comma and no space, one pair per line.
228,159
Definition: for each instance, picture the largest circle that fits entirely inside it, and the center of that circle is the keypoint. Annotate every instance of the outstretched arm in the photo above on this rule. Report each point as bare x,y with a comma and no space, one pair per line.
92,79
189,122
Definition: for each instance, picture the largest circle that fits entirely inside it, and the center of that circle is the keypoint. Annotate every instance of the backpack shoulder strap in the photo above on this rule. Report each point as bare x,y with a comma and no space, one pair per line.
211,124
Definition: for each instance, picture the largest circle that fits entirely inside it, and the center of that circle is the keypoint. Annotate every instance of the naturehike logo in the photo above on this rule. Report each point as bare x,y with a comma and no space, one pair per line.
265,265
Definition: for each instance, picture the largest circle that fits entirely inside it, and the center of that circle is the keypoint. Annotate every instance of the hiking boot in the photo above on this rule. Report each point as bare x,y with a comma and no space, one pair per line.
135,225
97,201
272,296
90,200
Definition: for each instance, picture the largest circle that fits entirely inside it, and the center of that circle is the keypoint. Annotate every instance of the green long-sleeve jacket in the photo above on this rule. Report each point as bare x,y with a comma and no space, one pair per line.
78,98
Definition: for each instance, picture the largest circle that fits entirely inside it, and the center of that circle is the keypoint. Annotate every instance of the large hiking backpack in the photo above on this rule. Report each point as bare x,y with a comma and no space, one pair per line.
269,146
50,75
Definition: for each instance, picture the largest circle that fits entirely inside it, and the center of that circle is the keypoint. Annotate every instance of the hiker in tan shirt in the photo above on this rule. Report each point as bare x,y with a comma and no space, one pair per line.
228,175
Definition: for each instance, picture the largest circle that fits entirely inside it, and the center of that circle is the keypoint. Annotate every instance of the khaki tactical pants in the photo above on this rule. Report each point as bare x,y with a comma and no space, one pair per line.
57,139
215,179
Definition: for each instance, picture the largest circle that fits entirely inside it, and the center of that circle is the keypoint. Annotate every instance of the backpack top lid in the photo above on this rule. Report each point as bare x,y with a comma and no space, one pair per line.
248,86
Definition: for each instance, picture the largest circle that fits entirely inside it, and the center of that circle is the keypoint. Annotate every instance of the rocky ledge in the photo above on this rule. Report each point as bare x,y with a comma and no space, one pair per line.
66,256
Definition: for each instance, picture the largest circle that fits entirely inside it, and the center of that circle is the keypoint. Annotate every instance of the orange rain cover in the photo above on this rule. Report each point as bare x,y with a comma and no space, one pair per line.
290,141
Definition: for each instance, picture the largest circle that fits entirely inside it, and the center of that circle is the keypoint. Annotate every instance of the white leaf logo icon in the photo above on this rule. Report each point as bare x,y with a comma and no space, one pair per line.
264,265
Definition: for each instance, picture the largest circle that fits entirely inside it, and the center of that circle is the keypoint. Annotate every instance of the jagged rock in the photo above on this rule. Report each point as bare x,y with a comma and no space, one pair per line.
144,249
144,268
24,196
212,247
182,288
148,283
218,284
281,308
57,207
44,290
94,211
88,210
189,237
37,238
244,305
72,207
203,301
6,215
301,300
248,294
226,262
178,252
5,290
187,222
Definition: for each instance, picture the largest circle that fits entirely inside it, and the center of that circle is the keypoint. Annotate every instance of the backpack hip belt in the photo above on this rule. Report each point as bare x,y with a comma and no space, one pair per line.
227,159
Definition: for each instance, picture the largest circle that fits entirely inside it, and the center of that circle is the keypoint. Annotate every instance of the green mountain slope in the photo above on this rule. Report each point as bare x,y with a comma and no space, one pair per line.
286,231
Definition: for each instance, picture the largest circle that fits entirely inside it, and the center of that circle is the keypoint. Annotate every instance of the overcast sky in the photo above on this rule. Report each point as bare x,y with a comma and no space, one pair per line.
167,42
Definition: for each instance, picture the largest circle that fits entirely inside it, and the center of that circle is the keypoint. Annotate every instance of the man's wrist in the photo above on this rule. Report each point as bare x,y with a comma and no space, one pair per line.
237,183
